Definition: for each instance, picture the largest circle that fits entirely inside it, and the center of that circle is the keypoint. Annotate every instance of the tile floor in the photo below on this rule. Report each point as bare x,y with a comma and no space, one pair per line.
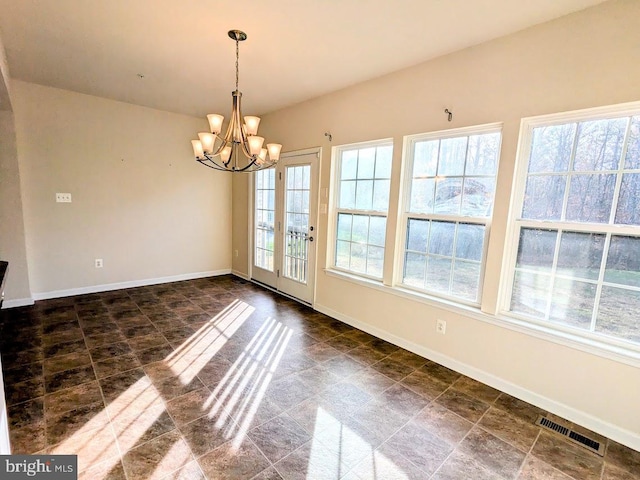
220,379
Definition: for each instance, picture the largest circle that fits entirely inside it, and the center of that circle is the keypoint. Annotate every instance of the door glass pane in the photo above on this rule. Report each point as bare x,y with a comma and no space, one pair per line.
296,239
264,218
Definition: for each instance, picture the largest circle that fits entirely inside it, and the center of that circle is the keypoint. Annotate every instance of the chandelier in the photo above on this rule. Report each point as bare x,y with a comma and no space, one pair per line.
240,149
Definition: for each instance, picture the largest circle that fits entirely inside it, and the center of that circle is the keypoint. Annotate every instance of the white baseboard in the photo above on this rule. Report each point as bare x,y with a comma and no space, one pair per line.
238,273
134,283
609,430
17,302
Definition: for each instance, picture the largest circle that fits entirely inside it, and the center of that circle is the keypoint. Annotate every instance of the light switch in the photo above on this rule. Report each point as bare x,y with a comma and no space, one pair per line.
63,197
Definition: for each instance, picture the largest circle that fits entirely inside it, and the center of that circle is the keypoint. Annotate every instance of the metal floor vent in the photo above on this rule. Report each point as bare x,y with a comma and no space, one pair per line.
586,442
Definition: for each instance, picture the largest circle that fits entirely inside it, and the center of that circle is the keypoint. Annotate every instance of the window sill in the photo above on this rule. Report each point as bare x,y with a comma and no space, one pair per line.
613,350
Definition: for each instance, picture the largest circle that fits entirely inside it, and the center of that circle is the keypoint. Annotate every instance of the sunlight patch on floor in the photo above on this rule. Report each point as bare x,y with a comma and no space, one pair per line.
187,361
337,448
245,384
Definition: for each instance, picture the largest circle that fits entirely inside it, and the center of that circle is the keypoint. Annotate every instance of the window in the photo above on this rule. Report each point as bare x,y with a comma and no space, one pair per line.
363,175
265,192
577,230
450,182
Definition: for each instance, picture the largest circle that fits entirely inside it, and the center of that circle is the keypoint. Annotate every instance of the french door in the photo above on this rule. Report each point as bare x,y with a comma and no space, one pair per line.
284,224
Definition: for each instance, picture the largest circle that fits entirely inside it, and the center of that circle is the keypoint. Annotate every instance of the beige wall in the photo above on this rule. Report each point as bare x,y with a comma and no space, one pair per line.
140,201
12,238
579,61
11,226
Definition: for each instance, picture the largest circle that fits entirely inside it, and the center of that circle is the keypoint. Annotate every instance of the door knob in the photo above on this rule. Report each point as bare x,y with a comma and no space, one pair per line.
311,239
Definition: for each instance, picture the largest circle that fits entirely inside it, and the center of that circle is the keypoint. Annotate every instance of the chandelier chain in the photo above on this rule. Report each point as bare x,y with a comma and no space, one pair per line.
237,55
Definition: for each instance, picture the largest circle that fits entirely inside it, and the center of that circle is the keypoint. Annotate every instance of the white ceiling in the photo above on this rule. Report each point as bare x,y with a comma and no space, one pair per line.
296,49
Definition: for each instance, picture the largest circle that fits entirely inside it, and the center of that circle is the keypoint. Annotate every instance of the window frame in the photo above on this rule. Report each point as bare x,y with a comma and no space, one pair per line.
335,210
405,215
515,222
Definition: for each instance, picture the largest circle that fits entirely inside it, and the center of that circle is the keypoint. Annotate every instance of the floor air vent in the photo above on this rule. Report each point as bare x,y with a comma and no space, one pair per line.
586,442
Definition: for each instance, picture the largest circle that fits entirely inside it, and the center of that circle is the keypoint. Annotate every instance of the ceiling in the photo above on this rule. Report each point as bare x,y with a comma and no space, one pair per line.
296,49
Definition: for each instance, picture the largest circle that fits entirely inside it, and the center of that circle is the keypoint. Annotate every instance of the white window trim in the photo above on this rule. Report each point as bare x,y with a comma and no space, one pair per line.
595,343
334,189
404,215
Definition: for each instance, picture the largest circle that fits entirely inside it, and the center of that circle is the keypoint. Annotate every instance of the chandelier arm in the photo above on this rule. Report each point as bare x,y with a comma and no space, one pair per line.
249,165
228,136
213,165
212,159
243,134
220,147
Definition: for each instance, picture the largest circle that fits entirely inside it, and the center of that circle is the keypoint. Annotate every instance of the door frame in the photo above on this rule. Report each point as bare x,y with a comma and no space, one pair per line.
314,209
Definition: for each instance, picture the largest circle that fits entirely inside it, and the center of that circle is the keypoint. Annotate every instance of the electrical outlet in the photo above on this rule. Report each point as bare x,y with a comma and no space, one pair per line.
441,326
99,263
63,197
235,253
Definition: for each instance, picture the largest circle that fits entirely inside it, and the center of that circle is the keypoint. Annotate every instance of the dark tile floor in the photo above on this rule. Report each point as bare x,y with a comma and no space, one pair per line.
218,378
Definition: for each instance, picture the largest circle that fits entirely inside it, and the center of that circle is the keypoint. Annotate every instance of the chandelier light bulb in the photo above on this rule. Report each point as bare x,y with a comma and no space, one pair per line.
207,140
262,156
197,148
225,154
215,123
274,151
255,144
251,124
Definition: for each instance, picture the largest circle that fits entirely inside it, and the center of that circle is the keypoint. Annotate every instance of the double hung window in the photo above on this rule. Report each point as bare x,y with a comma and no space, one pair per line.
450,185
577,230
363,175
